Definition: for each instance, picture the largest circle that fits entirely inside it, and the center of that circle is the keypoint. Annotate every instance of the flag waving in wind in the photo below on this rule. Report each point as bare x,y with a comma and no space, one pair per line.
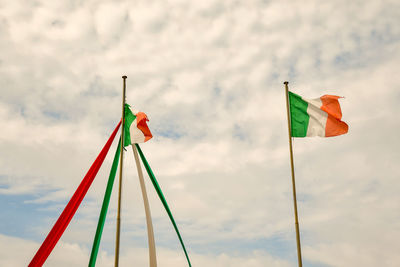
310,117
136,129
316,117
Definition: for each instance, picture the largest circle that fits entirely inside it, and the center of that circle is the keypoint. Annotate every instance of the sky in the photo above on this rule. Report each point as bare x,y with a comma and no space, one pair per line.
209,74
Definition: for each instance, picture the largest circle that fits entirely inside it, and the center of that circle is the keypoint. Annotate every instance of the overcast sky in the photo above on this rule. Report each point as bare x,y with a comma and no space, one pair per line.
209,74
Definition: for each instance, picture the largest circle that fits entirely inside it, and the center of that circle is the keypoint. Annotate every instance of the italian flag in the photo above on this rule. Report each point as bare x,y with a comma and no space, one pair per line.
316,117
136,129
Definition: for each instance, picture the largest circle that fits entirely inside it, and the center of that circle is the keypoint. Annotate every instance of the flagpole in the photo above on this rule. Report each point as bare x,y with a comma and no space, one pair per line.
293,179
121,160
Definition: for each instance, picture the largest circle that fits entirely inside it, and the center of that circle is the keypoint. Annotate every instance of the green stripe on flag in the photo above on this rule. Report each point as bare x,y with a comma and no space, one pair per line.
162,198
129,118
299,117
104,208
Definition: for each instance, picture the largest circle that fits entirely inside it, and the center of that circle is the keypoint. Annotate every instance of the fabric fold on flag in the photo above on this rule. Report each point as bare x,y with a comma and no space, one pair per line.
72,206
162,198
150,232
104,207
316,117
136,129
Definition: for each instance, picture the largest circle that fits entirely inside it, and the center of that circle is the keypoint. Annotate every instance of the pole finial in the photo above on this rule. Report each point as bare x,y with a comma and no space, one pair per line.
286,82
124,77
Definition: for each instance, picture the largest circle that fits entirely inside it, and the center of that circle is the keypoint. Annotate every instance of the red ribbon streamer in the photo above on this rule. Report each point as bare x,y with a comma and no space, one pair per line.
72,206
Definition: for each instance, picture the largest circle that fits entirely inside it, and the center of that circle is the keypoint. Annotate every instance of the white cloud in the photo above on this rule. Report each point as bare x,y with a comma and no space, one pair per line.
71,254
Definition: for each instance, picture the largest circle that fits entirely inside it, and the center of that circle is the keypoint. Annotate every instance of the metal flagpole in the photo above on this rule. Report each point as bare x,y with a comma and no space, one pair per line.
293,179
120,175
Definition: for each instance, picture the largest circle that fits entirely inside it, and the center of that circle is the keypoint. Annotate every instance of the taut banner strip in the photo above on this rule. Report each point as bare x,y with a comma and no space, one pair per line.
150,232
104,208
72,206
162,198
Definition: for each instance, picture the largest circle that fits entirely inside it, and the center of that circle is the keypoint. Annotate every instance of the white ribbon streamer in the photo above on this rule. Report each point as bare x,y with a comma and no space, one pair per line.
150,232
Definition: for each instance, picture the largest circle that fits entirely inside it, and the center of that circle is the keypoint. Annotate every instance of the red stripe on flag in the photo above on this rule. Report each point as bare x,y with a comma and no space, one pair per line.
141,119
72,206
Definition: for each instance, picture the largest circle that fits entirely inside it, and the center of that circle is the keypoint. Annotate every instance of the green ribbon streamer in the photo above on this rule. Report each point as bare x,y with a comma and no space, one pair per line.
162,198
104,208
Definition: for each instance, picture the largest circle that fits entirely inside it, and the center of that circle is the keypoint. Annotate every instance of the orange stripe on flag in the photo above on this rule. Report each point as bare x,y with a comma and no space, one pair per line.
334,126
330,105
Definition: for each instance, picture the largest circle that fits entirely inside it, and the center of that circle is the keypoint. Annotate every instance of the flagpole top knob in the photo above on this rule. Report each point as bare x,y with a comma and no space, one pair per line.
124,77
286,82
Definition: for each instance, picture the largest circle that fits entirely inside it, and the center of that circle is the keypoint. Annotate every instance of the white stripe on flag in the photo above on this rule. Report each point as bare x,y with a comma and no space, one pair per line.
137,135
318,118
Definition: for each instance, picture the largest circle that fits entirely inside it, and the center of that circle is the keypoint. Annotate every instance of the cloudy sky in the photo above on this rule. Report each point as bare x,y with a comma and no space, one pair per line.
209,74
